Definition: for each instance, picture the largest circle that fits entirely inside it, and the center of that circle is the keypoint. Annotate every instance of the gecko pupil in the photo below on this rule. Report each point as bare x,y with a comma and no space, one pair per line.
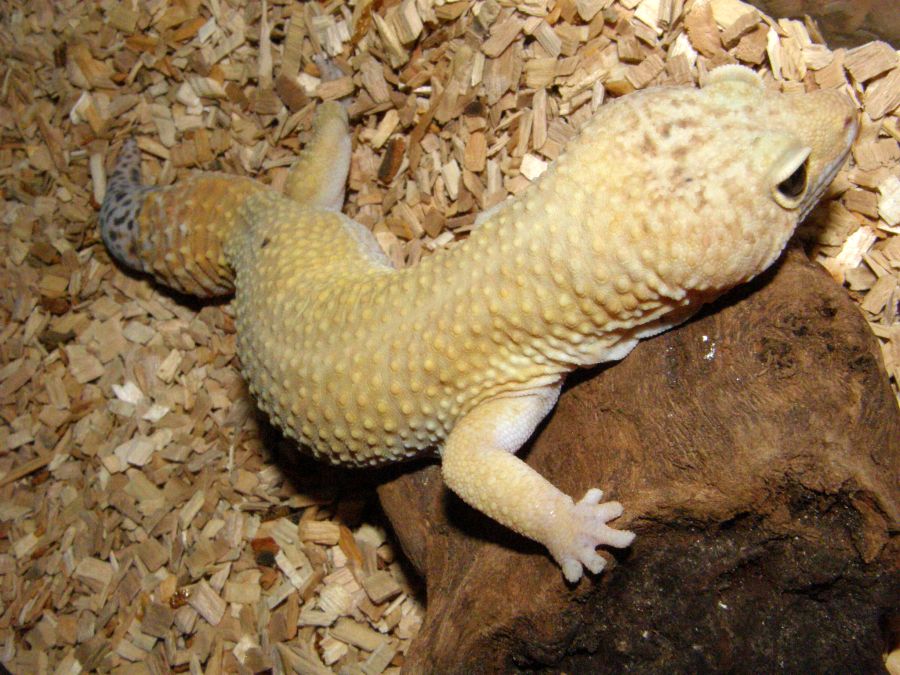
794,185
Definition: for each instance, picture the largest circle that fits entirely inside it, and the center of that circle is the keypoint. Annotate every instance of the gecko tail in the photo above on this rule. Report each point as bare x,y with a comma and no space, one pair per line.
179,233
183,234
121,207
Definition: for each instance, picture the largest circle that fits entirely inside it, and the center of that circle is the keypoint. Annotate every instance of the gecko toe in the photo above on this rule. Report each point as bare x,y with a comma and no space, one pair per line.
618,538
608,511
592,496
571,570
593,561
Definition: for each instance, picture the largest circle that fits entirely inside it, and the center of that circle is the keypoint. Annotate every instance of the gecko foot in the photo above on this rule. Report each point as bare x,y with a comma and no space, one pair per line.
587,529
329,71
327,67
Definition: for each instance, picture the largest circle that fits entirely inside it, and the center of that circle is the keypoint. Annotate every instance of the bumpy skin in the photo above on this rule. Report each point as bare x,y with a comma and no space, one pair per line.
665,200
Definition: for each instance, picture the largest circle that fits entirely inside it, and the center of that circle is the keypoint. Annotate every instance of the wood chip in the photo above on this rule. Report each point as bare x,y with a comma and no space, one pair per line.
502,34
96,573
25,469
158,619
889,200
349,631
702,30
880,294
207,603
870,60
883,95
740,27
153,554
84,366
851,253
381,587
380,658
320,532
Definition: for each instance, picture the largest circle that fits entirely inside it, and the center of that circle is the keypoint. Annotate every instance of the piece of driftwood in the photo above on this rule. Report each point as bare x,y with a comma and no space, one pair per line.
757,453
843,22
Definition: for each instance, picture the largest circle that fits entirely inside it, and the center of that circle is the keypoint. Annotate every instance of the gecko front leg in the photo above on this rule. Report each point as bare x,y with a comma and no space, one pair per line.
479,465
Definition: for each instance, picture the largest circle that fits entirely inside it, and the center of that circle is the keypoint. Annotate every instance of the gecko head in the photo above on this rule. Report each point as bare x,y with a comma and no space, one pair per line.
800,140
759,163
698,190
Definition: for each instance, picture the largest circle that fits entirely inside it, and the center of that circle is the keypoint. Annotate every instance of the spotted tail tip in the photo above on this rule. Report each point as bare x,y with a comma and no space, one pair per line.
122,206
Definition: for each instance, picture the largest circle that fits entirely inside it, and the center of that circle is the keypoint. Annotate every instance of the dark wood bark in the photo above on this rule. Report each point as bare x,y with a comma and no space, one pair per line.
757,453
844,23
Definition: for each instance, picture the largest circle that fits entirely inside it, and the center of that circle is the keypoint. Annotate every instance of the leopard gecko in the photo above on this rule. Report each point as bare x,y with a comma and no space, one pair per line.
667,198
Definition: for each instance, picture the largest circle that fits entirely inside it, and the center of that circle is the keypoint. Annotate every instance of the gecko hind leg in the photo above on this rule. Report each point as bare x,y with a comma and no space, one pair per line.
319,176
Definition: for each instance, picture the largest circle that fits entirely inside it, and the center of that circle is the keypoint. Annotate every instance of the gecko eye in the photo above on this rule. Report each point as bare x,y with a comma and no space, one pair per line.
790,178
794,185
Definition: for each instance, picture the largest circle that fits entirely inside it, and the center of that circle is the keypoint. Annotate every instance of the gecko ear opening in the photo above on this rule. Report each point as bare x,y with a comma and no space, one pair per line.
790,178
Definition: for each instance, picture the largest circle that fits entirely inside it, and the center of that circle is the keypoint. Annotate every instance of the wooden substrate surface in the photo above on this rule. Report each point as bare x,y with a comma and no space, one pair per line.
144,524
